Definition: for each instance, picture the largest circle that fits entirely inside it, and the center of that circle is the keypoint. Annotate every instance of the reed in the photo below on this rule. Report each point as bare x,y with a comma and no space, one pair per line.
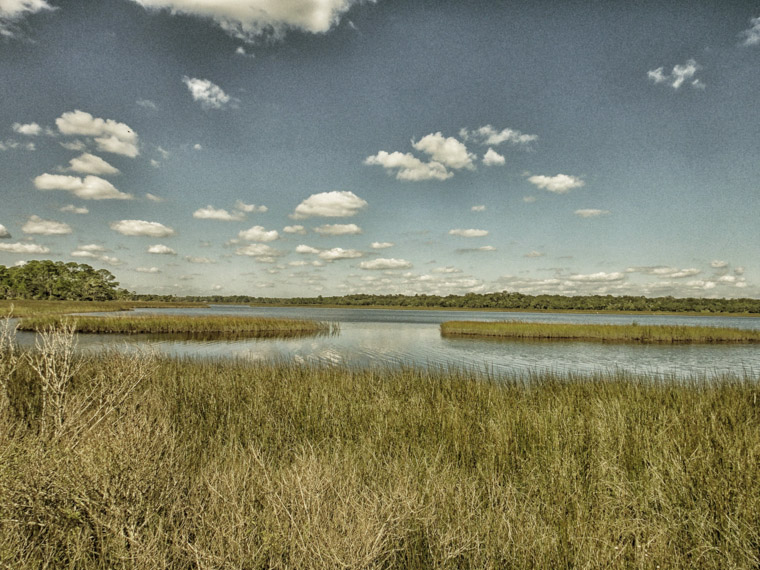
28,308
635,333
202,326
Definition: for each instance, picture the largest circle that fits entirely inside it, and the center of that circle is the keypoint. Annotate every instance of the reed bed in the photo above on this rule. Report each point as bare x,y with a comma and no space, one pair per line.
29,308
636,333
230,464
214,325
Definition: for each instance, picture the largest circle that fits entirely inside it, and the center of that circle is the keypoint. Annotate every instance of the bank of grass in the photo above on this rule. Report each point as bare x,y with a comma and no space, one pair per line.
29,308
214,325
636,333
229,464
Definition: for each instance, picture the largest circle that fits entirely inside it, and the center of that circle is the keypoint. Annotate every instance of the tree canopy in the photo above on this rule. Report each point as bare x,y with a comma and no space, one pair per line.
44,279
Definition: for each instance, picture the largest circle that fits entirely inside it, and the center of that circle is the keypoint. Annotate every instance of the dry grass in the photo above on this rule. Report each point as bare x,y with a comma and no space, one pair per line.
29,308
666,334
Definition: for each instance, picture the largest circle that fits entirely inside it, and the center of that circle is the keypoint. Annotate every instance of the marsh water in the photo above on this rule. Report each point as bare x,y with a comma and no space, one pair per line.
382,337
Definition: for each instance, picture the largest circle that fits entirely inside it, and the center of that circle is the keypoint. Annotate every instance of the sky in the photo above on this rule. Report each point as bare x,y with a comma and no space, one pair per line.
325,147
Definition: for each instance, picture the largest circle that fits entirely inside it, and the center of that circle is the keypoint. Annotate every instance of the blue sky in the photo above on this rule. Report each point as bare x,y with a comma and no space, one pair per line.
312,147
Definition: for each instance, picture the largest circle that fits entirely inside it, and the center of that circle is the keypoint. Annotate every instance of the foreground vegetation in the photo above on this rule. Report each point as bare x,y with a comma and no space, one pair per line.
670,334
128,461
31,308
216,325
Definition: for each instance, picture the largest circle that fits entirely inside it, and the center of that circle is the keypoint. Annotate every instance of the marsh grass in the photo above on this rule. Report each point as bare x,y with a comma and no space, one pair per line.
200,327
231,464
28,308
636,333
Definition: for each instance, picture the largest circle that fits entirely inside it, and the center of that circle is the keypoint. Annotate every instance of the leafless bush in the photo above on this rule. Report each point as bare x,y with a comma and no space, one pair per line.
8,356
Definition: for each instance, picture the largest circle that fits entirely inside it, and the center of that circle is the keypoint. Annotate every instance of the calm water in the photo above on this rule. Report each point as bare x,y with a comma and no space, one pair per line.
378,337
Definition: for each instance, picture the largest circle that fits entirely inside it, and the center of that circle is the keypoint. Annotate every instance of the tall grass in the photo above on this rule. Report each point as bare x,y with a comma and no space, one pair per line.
216,325
610,333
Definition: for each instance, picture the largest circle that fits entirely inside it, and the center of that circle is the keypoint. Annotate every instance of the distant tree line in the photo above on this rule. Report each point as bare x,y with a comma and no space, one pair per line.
502,300
58,281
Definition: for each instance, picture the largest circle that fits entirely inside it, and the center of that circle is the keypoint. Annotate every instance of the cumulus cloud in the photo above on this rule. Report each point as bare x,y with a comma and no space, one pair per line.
493,158
4,233
88,163
13,11
471,233
161,249
382,263
208,94
752,35
306,249
30,129
339,253
148,270
260,252
211,213
250,208
19,247
109,135
335,204
559,184
408,167
259,234
338,229
249,19
591,213
382,244
680,75
88,188
446,150
294,230
36,225
141,228
488,135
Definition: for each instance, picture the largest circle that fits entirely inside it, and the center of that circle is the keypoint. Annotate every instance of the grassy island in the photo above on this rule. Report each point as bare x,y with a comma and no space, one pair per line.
211,325
635,333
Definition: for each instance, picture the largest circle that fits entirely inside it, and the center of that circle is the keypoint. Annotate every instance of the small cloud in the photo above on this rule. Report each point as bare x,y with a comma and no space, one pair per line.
382,263
36,225
197,146
488,135
29,130
752,35
680,75
448,270
154,198
260,252
533,254
74,145
147,104
148,270
471,233
241,51
307,249
338,229
141,228
208,94
559,184
294,230
718,264
382,244
591,213
192,259
161,249
88,163
339,253
154,163
493,158
600,277
211,213
529,199
480,208
335,204
88,188
30,248
4,233
250,208
258,234
484,248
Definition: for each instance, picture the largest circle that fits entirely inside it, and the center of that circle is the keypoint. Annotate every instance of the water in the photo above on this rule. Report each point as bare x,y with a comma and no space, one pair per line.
380,337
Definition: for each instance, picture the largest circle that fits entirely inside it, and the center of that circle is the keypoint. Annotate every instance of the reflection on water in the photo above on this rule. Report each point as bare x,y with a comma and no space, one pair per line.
376,337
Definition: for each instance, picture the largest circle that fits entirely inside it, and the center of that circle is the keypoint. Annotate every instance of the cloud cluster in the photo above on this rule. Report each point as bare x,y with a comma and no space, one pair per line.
109,135
335,204
208,94
88,188
679,75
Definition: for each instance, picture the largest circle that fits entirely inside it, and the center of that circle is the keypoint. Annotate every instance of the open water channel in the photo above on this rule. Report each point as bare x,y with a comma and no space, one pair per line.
381,337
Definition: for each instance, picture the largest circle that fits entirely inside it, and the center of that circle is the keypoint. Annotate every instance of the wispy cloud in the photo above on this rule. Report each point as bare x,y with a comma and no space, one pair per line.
752,35
489,136
680,75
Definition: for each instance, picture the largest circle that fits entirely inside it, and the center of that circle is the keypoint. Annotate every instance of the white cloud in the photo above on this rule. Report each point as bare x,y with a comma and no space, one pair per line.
591,213
92,247
488,135
739,270
141,228
248,19
306,249
23,248
447,270
534,254
600,277
76,145
147,104
479,208
154,198
294,230
241,51
72,209
335,204
259,234
382,263
338,229
468,233
752,35
493,158
211,213
4,233
339,253
197,146
559,184
483,248
36,225
409,167
250,208
161,249
13,11
88,163
193,259
382,244
261,252
148,270
11,144
679,75
30,129
718,264
208,94
89,188
446,150
109,135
